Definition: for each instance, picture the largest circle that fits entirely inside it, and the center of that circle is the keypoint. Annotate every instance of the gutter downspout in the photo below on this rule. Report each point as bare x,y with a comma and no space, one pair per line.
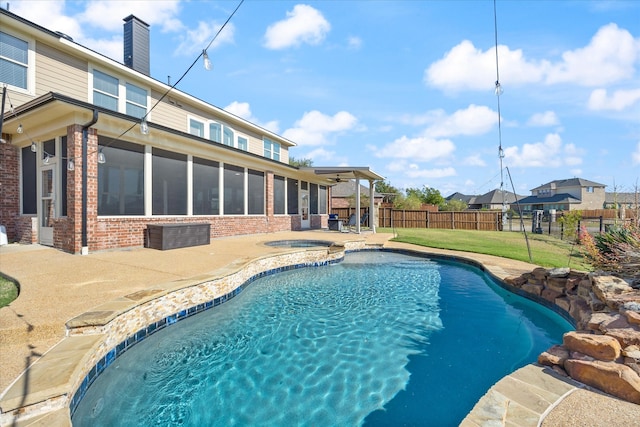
85,139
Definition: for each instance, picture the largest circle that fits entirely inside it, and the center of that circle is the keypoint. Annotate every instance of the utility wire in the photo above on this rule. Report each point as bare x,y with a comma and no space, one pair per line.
498,91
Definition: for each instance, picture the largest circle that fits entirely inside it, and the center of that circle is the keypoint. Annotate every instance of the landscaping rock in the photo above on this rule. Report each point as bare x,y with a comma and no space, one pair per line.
632,317
532,289
556,355
614,378
601,347
608,287
625,337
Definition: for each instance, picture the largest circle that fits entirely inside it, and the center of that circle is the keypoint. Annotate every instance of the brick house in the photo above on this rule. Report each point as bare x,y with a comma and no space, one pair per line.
94,151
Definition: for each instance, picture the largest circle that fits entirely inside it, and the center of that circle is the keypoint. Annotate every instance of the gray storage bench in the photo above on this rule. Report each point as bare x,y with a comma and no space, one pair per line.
172,236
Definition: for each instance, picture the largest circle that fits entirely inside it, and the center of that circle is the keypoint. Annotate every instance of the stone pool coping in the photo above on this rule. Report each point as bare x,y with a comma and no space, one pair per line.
53,379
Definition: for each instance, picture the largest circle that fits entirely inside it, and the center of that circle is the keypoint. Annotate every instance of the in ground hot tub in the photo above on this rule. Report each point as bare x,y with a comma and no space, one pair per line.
299,243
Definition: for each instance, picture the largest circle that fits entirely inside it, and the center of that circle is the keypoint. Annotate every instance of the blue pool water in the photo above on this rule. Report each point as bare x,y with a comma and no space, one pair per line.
379,339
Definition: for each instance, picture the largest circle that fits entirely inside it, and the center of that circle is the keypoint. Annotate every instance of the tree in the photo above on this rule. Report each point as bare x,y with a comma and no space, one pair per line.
388,191
453,206
299,163
410,202
427,195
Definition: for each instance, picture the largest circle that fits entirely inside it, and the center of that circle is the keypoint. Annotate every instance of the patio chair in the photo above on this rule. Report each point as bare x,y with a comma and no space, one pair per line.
351,222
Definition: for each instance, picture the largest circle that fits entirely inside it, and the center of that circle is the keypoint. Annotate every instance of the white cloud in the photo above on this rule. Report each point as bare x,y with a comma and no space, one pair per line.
609,57
618,101
635,156
474,160
431,173
243,109
108,14
548,118
321,154
195,40
420,149
474,120
549,153
354,43
314,126
303,24
466,67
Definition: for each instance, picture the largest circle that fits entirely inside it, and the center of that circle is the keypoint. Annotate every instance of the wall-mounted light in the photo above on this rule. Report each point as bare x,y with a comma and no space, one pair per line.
101,157
70,165
46,158
34,147
20,130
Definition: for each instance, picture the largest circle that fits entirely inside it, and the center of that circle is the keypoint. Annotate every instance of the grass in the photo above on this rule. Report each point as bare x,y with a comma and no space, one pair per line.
546,251
8,291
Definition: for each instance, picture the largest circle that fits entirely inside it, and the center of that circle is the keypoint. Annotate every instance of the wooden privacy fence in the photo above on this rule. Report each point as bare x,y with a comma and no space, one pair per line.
395,218
468,220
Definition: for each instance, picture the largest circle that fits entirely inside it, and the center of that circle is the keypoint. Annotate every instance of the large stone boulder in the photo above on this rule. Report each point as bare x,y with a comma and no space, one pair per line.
614,378
601,347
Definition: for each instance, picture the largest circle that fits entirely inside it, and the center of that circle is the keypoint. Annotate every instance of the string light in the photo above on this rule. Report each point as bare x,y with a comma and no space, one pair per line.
207,62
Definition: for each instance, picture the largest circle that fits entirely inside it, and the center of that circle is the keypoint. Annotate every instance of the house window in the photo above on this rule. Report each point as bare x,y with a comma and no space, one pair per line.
206,187
121,179
14,62
105,90
227,137
169,183
256,193
215,130
136,101
292,196
278,195
271,149
196,128
313,199
322,199
233,190
589,189
243,143
29,195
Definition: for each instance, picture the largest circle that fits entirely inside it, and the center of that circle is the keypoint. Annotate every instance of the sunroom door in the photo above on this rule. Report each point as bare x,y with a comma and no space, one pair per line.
47,205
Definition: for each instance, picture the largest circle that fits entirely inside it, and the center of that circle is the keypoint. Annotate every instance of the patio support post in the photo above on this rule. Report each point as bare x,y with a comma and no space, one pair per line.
372,205
357,204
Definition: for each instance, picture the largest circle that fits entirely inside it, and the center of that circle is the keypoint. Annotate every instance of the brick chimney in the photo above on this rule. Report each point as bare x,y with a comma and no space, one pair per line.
136,44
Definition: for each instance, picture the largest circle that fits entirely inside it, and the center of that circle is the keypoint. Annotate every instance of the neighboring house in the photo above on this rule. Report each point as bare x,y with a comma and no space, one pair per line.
565,195
617,200
94,151
493,200
460,197
343,194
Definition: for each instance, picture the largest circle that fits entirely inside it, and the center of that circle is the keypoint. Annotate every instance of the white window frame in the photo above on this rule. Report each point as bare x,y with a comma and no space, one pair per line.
126,101
205,129
31,64
271,149
122,99
243,143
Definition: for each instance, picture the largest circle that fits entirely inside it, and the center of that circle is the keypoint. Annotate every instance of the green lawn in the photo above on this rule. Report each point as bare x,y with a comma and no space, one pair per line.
8,291
546,251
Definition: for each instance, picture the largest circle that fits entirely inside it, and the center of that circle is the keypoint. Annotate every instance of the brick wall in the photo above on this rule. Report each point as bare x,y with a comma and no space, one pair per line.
9,188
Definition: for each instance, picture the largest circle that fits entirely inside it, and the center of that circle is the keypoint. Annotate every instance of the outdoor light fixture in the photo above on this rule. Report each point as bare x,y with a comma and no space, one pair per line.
144,127
19,130
207,62
70,165
498,91
101,158
34,147
46,158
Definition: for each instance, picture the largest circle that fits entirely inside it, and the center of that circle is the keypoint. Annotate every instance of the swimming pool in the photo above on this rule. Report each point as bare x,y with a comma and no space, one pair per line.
381,338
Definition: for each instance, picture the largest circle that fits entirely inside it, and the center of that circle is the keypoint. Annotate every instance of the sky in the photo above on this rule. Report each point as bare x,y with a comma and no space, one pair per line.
406,88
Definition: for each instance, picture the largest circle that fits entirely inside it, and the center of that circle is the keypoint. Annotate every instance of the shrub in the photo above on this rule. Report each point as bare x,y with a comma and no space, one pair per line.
617,250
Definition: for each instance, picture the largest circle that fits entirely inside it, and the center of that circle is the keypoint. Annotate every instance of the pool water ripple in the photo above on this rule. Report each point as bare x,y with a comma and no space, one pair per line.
347,344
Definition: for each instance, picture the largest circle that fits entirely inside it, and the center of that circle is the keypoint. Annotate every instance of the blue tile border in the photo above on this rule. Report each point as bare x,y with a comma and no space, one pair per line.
143,333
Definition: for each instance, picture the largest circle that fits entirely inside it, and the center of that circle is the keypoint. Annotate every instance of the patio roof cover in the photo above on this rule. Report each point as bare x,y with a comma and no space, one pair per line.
344,173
